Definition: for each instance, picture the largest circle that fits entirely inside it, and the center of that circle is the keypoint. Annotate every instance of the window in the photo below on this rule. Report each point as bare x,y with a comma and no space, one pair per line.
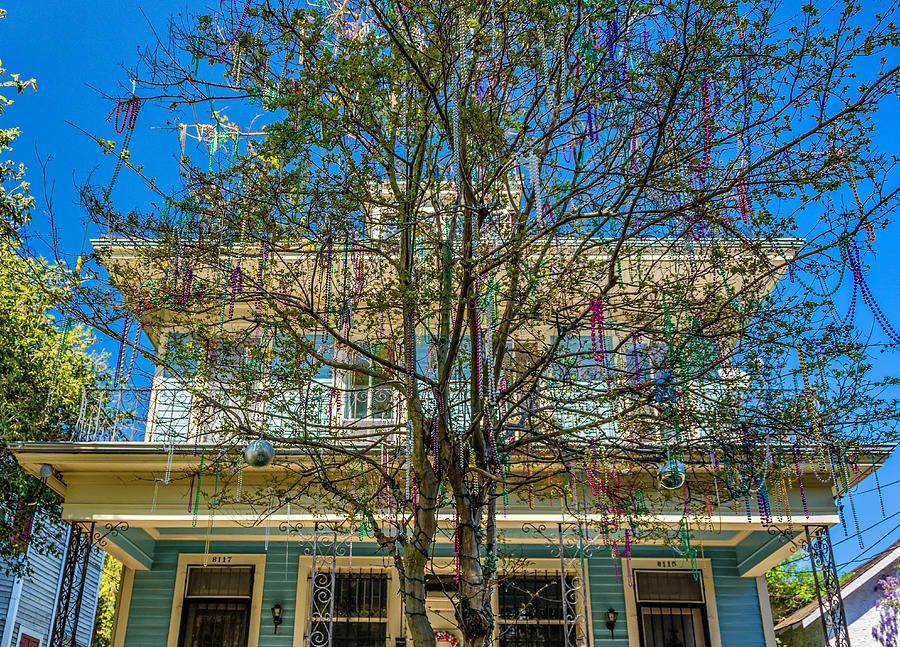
532,612
366,397
577,386
230,404
359,616
216,607
671,609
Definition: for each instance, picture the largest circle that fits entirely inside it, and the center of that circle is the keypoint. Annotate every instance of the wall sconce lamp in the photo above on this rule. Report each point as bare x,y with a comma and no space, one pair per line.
611,616
276,616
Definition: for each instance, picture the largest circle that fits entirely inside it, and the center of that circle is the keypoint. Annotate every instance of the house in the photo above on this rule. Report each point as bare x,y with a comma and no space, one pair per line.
208,559
860,591
29,607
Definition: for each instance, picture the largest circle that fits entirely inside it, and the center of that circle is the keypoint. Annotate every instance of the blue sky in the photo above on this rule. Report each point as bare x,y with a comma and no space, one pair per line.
80,51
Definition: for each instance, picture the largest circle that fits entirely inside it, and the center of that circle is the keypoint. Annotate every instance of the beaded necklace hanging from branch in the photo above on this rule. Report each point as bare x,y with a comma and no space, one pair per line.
212,514
868,297
870,230
63,345
132,106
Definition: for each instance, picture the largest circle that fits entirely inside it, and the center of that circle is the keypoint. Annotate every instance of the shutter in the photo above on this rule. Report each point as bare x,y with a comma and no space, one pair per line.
22,525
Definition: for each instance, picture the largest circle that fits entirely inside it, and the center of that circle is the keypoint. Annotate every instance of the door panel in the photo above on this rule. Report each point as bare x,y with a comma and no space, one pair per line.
671,626
208,623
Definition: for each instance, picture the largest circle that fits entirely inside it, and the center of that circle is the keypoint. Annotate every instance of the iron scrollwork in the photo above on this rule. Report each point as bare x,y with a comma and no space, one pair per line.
112,530
828,587
71,592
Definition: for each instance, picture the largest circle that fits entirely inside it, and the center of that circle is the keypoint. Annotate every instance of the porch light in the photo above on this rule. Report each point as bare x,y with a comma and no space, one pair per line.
276,616
671,475
611,616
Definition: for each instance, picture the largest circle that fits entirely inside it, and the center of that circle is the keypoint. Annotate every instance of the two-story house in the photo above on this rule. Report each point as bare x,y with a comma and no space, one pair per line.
209,561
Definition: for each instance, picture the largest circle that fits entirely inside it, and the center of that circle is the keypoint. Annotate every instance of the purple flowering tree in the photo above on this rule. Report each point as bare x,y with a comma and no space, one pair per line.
886,631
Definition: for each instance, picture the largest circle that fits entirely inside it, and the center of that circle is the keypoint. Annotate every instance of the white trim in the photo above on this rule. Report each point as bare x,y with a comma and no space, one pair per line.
583,628
396,623
141,519
32,633
156,385
123,607
258,561
668,564
765,610
11,613
301,609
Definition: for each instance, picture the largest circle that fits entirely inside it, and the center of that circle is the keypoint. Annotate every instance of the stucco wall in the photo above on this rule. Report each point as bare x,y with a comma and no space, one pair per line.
860,609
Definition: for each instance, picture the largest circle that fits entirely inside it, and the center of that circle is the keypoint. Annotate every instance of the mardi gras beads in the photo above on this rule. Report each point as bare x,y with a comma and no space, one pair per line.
795,451
597,331
199,481
132,112
236,279
212,514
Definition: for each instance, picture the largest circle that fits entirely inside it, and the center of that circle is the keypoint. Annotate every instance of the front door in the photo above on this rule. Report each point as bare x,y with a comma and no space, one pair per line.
216,607
671,609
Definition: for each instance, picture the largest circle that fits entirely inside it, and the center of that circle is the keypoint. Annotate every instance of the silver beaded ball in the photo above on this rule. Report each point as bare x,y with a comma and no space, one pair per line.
259,453
672,474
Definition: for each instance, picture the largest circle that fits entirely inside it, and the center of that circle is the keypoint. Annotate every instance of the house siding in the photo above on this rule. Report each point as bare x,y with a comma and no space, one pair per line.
7,582
154,590
737,603
37,601
859,608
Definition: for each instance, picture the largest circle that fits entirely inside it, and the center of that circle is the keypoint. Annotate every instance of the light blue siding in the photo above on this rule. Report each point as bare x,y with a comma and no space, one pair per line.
7,582
154,590
736,599
173,411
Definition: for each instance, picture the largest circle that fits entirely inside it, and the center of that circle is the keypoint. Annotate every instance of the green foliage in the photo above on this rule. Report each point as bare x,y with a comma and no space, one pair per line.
791,587
15,199
32,362
106,603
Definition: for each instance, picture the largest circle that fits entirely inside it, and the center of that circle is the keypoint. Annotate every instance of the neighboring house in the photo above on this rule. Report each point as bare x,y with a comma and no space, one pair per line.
28,604
200,574
803,628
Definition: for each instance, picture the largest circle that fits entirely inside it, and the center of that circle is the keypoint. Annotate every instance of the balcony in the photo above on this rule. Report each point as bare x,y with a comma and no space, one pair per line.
112,415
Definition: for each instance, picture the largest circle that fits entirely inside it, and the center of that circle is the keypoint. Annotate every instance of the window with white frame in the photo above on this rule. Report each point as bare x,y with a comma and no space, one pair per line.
671,608
349,607
366,394
537,608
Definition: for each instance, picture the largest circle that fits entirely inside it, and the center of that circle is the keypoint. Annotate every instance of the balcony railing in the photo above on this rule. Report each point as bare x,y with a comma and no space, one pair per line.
112,415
